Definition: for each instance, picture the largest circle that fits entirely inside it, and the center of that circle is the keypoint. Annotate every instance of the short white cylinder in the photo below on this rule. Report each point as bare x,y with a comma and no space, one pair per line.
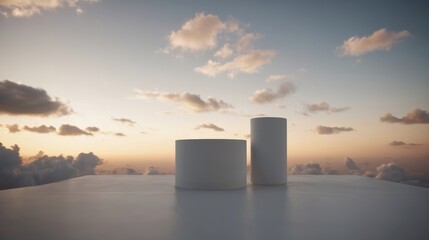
268,150
210,164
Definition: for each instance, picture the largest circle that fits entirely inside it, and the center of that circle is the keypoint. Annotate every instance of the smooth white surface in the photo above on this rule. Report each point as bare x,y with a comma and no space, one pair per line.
268,150
210,164
150,207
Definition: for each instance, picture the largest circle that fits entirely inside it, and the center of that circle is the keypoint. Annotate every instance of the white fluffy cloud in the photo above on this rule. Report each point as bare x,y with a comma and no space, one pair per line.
197,34
225,52
27,8
267,95
189,101
250,62
202,33
382,39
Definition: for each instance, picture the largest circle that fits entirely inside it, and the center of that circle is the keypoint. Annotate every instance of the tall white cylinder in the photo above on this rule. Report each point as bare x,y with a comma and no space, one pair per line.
268,150
210,164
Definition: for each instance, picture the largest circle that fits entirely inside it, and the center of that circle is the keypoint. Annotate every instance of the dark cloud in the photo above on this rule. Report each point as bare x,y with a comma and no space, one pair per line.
306,169
323,107
92,129
189,101
70,130
40,129
85,163
13,128
151,170
332,130
19,99
10,161
125,121
43,169
210,126
119,134
351,166
126,171
267,95
400,143
416,116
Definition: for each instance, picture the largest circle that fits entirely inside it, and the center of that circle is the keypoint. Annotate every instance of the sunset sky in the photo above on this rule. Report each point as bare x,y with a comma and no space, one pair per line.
125,79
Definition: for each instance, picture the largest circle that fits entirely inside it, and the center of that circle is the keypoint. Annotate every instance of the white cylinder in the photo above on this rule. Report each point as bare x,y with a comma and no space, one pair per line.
268,150
210,164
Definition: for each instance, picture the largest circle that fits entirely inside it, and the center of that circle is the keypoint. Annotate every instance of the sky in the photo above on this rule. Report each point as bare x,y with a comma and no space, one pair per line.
125,79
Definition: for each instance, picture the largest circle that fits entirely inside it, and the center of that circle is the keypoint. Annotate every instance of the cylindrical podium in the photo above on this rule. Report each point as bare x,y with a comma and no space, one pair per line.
268,150
210,164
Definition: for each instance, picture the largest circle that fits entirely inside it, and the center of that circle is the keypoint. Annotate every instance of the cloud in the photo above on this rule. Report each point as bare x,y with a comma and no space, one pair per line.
19,99
323,107
298,73
70,130
351,166
379,40
250,62
151,170
125,121
245,41
43,169
209,126
13,128
119,134
189,101
85,163
416,116
126,171
40,129
28,8
225,52
400,143
92,129
197,34
267,95
306,169
272,78
332,130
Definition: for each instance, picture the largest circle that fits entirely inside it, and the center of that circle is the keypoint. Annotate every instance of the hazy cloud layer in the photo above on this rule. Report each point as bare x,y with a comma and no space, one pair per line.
70,130
19,99
323,107
189,101
401,143
13,128
27,8
210,126
306,169
40,129
416,116
332,130
379,40
124,121
43,169
267,95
